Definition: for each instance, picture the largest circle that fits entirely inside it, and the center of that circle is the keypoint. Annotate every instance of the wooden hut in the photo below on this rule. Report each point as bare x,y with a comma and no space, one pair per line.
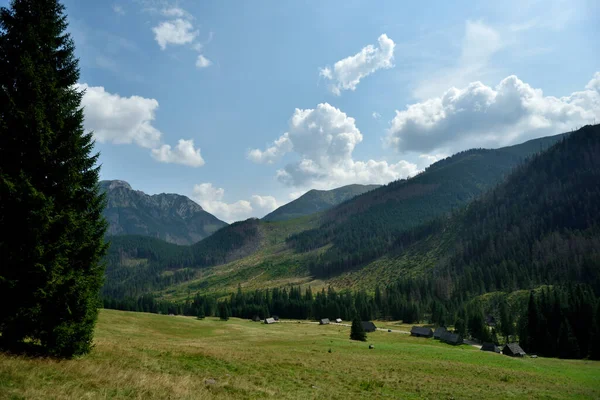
513,350
420,331
451,338
490,347
368,326
324,321
439,331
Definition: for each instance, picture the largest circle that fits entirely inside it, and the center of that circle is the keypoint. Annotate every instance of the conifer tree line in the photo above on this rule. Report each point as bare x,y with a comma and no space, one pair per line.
52,230
556,322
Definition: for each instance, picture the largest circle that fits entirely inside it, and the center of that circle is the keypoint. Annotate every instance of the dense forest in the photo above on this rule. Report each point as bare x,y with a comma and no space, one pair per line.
369,225
140,264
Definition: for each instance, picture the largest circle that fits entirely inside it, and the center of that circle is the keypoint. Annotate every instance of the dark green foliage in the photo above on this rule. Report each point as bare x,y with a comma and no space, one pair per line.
51,240
371,224
540,226
560,322
224,311
315,201
200,313
357,332
171,217
156,264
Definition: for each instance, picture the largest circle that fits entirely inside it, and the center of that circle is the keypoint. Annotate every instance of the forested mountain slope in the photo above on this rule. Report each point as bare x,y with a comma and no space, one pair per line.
365,227
171,217
315,201
541,226
381,222
140,264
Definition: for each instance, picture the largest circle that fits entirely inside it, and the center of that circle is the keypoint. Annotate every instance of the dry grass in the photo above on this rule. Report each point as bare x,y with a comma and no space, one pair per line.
144,356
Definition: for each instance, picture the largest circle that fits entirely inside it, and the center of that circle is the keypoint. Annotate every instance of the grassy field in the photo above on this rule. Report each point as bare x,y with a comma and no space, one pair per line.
147,356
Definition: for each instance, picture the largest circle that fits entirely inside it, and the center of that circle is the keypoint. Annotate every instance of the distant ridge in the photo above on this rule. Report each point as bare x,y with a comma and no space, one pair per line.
315,201
170,217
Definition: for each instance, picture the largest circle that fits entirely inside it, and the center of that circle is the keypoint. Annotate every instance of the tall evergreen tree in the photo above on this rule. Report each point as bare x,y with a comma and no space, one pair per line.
51,241
357,332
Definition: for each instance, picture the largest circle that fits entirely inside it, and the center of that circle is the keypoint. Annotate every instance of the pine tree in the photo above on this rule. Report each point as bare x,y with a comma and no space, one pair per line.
532,324
224,311
567,342
52,235
200,314
357,332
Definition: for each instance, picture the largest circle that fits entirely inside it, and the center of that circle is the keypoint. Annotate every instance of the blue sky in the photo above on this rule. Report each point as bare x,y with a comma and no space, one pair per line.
280,97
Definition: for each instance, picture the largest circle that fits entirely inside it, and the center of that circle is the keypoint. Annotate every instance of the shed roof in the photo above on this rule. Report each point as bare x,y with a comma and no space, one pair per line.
439,331
368,326
513,349
269,320
451,338
421,331
490,347
324,321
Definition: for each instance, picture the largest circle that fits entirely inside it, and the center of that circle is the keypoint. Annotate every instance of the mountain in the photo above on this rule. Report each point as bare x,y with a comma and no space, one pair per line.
315,201
364,227
171,217
369,239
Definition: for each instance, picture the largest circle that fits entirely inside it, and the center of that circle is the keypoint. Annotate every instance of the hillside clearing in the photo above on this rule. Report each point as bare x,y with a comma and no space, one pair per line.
155,356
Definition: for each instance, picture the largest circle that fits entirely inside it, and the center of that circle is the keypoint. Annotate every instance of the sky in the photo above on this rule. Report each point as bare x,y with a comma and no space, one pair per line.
245,105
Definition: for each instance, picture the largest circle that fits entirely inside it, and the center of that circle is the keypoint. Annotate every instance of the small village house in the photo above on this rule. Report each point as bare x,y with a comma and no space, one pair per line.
420,331
368,326
439,331
513,350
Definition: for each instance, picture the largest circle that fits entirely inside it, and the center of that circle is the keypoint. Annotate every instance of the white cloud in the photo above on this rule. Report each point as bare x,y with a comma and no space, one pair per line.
211,199
347,73
175,32
125,120
376,115
481,116
175,12
273,153
118,9
203,62
479,44
184,153
265,204
179,30
118,119
325,138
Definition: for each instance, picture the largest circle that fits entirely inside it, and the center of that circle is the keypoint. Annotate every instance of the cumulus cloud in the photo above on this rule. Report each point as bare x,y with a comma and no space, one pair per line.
124,120
203,62
179,30
376,115
483,116
325,139
184,153
118,119
176,32
211,199
347,73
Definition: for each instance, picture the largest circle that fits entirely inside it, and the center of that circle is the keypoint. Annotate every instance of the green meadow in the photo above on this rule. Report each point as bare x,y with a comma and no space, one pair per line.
147,356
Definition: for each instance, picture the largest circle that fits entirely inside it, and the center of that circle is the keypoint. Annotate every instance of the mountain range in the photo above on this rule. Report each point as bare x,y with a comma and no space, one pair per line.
374,238
170,217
